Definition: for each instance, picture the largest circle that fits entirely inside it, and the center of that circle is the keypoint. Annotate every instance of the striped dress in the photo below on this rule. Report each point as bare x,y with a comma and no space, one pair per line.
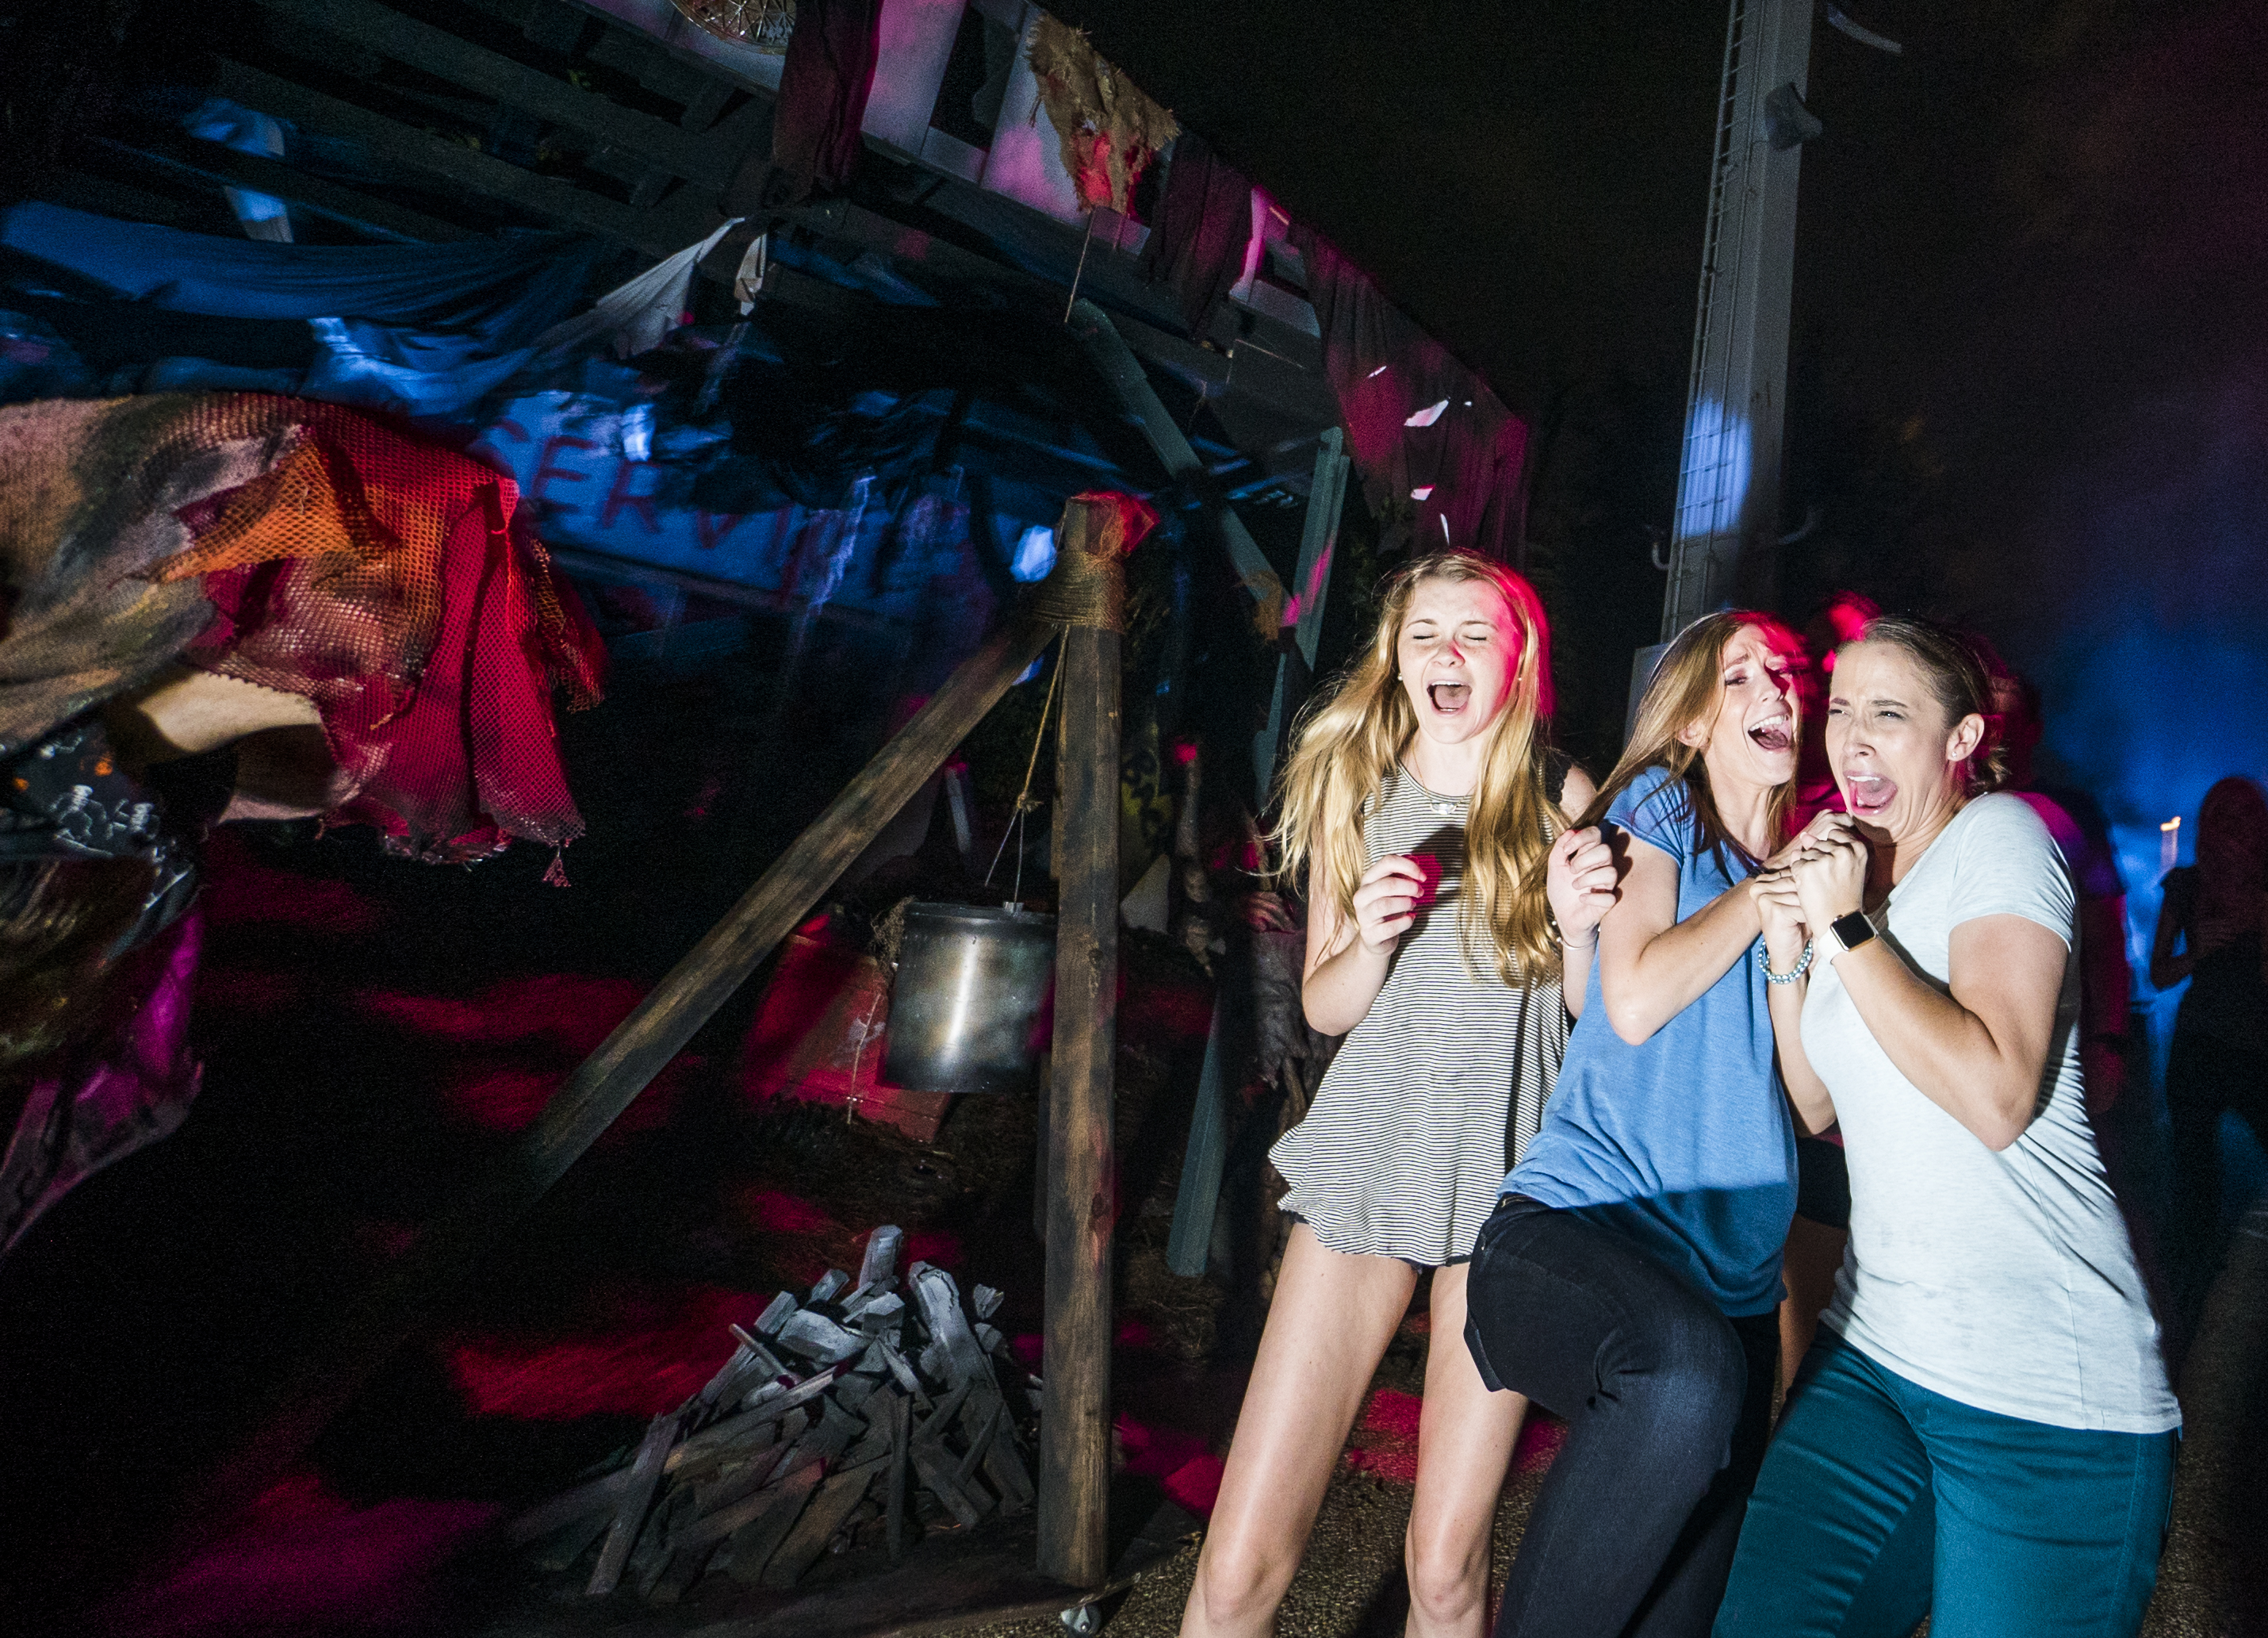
1437,1091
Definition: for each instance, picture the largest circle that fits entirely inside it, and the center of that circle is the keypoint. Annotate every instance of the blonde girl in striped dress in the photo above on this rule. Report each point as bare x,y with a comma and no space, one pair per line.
1446,890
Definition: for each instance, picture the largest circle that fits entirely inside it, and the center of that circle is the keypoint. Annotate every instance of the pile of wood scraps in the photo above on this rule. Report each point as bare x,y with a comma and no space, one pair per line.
867,1413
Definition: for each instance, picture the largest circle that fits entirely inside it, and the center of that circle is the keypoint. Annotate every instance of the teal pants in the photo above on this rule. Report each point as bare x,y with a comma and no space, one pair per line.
1881,1502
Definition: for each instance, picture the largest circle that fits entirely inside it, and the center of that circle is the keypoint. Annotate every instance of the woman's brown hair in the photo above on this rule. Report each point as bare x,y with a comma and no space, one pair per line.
1954,666
1687,685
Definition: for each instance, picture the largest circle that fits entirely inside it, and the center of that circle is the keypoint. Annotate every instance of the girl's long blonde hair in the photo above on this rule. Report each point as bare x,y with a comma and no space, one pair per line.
1350,740
1687,685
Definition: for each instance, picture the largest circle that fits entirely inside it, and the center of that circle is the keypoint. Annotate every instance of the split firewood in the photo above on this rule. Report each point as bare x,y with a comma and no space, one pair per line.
901,1370
752,1365
630,1511
957,1357
881,1313
715,1443
820,1520
655,1552
600,1495
757,1473
881,1262
814,1336
901,1421
771,1516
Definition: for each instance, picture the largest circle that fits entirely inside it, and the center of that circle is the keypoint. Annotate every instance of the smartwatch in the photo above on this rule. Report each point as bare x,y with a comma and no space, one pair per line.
1853,930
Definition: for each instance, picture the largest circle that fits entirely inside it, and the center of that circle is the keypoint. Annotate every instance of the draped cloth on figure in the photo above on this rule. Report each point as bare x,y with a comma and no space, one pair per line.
393,583
1204,221
1433,445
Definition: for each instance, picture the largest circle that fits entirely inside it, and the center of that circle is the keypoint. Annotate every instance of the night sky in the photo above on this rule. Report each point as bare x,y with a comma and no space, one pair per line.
2028,377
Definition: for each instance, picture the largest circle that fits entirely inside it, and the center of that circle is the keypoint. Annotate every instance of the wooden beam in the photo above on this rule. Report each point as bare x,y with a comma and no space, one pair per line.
210,163
441,54
606,1082
80,190
1122,371
392,142
1075,1397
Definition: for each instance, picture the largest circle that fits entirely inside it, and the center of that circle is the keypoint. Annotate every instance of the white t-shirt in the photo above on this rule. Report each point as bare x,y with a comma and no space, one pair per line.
2002,1280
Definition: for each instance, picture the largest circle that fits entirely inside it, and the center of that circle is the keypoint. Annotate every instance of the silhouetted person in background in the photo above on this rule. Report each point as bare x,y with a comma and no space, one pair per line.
2214,909
2075,821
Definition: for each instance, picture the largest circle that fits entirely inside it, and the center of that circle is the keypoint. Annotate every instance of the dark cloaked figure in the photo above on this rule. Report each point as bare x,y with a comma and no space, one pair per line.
2216,911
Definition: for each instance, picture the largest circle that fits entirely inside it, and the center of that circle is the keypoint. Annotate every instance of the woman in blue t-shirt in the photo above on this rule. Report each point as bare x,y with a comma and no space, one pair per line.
1629,1280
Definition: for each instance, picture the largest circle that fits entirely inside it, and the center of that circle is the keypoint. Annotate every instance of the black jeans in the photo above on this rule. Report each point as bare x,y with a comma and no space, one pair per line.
1668,1405
2206,1077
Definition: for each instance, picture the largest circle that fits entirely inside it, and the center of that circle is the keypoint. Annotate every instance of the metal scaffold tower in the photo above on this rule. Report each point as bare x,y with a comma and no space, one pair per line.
1728,478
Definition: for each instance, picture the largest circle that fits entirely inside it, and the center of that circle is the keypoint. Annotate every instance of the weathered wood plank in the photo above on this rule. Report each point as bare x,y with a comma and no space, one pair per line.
637,1496
902,1418
752,1545
1075,1400
441,54
1115,363
819,1522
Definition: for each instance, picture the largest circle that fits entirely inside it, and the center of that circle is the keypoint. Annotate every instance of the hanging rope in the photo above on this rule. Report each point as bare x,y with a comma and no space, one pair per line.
1025,802
1085,588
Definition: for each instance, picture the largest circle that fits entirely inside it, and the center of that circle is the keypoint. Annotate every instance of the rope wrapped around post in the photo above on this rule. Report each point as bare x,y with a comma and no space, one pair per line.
1086,587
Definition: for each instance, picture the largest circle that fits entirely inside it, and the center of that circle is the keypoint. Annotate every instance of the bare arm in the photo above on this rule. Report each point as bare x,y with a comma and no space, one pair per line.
1784,938
1653,966
1580,886
1979,1053
1347,961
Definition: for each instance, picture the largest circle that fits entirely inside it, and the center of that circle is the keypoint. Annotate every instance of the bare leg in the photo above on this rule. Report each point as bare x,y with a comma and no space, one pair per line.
1465,1436
1328,1328
1814,1254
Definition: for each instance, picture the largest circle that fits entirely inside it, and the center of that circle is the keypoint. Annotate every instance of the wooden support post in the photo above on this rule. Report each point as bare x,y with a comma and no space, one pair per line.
1198,1199
1075,1401
605,1083
1318,543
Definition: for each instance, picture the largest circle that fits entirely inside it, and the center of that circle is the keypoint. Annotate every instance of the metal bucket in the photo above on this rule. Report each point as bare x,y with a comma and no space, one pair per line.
971,986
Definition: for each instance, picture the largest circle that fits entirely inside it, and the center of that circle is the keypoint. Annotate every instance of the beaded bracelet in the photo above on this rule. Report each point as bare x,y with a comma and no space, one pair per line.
1803,965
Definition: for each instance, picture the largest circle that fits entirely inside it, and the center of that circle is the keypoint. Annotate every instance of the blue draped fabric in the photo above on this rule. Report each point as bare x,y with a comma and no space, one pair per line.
504,291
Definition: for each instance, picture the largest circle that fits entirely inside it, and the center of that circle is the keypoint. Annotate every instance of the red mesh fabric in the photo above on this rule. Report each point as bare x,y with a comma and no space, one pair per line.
395,585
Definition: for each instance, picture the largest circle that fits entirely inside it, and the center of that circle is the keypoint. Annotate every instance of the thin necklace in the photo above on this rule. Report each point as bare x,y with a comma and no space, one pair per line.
1442,805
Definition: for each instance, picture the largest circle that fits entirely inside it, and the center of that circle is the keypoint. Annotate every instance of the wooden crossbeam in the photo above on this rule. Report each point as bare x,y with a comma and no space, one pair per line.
81,190
210,163
392,142
441,54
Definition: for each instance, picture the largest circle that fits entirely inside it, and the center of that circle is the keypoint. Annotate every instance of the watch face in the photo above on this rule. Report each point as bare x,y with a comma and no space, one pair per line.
1854,929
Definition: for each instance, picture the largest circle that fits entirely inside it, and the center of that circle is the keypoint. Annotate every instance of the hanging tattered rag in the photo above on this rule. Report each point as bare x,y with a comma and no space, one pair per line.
639,312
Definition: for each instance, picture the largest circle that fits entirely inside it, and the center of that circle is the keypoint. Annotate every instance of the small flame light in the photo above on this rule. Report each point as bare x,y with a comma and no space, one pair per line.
2169,844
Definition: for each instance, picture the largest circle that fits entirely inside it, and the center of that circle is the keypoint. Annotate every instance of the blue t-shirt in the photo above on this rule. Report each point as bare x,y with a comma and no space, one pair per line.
1685,1143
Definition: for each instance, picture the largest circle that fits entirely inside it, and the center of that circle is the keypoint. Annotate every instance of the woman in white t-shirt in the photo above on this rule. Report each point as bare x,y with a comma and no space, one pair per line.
1984,1430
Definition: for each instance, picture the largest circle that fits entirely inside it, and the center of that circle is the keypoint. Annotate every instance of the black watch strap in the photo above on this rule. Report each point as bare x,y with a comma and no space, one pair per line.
1853,930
